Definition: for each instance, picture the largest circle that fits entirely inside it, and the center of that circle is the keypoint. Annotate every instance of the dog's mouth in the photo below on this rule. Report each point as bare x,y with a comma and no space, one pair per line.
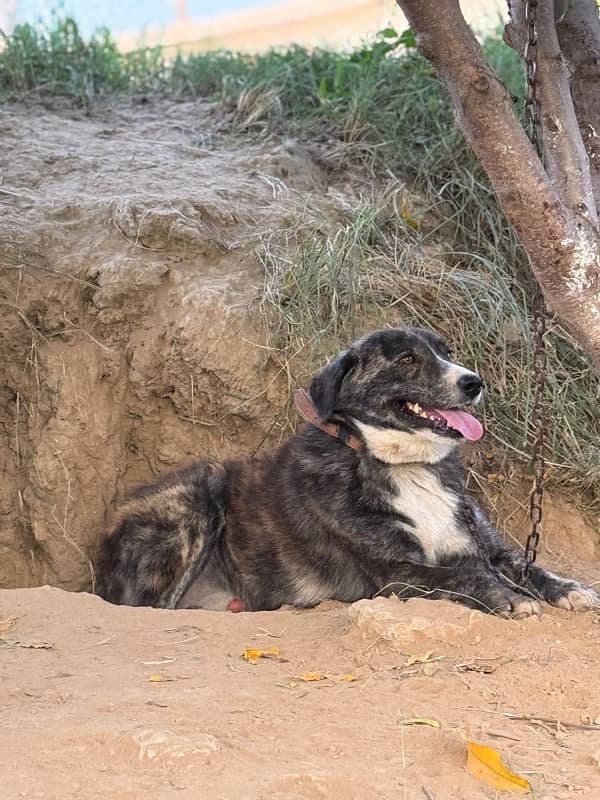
449,421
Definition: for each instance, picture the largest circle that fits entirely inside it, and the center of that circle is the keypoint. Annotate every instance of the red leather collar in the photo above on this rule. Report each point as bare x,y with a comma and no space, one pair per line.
308,412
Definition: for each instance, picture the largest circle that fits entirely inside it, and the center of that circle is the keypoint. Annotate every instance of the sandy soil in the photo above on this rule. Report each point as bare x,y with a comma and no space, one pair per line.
81,719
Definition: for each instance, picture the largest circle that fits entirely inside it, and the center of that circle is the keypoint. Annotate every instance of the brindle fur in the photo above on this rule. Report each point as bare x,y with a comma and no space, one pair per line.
317,520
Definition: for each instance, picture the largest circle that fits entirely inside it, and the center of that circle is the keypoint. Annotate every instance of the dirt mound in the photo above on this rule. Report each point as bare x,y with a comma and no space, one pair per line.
130,337
103,701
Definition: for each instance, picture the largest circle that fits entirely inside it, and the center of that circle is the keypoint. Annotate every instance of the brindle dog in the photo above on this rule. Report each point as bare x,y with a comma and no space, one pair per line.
368,500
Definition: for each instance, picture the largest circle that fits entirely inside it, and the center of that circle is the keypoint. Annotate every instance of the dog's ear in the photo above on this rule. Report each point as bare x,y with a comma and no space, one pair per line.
326,384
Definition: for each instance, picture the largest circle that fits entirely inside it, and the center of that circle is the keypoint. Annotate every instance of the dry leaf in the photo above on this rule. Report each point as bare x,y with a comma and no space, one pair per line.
424,659
7,625
309,677
252,655
409,218
485,764
348,678
432,723
158,679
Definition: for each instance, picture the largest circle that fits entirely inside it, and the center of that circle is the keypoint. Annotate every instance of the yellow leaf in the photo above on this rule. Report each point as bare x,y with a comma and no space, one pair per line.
7,625
159,679
308,677
419,659
408,217
251,655
348,678
432,723
485,764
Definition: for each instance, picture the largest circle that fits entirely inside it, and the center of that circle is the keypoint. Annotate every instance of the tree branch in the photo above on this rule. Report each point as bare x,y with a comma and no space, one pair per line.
564,252
578,30
565,157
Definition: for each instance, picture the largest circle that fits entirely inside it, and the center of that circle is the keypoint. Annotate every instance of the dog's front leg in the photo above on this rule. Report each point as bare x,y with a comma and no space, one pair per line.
540,583
468,582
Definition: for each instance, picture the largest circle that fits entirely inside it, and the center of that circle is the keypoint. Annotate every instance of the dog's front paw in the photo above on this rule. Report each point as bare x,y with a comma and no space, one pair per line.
517,606
577,597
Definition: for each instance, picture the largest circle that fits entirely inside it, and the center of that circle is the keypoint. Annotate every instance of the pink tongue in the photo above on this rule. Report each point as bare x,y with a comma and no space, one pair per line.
469,426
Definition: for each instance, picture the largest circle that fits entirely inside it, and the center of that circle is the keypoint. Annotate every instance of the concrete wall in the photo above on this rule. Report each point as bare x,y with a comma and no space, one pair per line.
335,23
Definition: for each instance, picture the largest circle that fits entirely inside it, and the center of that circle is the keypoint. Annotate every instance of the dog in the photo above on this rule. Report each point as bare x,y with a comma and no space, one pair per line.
367,499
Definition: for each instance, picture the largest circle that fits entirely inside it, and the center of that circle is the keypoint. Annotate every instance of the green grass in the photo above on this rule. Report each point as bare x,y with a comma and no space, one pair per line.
449,260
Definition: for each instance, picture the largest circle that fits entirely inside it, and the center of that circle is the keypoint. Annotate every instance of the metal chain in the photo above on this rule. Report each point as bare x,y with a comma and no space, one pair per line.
534,130
530,53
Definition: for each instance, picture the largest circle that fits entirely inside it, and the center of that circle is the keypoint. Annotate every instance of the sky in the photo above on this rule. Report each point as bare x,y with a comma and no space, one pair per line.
123,15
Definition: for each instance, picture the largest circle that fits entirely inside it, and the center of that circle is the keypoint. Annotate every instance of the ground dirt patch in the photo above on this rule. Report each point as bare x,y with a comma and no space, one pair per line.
81,718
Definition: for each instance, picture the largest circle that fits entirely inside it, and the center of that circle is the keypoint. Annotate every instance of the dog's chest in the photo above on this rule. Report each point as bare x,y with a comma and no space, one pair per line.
419,495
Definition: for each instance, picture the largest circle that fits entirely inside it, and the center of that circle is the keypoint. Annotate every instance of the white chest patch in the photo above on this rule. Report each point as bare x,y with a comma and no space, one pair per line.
422,446
420,496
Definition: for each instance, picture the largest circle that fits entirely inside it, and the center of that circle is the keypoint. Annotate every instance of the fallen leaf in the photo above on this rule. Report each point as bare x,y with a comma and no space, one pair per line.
485,764
348,678
409,218
7,625
424,659
309,677
252,655
159,679
432,723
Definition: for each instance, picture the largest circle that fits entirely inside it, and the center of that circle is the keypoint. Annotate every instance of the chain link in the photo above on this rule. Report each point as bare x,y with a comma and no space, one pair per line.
534,130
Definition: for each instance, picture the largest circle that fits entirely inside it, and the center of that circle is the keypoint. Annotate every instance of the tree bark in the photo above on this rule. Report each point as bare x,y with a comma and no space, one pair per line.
565,158
563,248
578,29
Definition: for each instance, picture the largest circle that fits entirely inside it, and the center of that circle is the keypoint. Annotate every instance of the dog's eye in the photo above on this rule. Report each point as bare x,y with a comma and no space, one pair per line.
407,358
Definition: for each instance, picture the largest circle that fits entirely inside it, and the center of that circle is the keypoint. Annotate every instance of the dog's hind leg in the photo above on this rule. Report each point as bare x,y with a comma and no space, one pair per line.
198,558
540,583
164,538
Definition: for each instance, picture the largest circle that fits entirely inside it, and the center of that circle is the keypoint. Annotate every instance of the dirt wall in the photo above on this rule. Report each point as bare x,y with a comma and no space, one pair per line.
131,337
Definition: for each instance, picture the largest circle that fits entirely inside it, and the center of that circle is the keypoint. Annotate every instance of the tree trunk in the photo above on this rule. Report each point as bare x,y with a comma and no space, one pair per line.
555,223
578,29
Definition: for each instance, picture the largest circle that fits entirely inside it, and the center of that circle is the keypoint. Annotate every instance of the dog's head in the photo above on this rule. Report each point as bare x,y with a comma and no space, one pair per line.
403,392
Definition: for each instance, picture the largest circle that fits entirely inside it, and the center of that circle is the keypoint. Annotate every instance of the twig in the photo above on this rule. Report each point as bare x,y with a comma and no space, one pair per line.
533,718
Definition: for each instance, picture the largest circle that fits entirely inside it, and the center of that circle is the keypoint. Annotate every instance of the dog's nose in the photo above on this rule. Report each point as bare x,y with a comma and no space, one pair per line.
471,385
